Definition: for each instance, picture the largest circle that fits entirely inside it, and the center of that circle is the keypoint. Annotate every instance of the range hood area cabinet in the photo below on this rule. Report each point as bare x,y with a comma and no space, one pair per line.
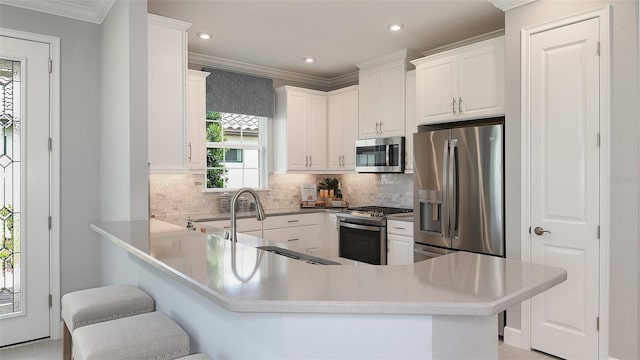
300,128
461,84
382,95
167,79
342,129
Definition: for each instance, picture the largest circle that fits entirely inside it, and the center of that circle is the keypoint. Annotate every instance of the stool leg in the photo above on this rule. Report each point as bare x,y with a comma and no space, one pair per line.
66,346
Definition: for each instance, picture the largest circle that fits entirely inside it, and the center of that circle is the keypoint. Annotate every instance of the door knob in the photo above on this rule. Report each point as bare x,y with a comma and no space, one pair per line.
539,231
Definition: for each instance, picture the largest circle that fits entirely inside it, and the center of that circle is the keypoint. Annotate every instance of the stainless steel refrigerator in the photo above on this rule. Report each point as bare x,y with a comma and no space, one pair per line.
459,188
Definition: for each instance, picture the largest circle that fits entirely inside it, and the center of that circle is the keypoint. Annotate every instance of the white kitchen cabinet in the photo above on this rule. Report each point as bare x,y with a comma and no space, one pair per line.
342,128
400,242
300,130
303,239
196,120
332,234
382,96
461,84
411,124
167,71
299,232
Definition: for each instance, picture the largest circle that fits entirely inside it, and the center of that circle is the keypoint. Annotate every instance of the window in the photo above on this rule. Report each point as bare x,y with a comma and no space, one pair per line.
235,150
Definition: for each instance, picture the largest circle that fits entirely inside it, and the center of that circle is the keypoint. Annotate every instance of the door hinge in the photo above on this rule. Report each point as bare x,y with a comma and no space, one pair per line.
50,221
50,66
50,300
50,144
598,232
598,323
598,48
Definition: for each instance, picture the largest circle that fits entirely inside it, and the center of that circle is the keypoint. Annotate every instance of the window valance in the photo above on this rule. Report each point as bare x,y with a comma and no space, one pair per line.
239,93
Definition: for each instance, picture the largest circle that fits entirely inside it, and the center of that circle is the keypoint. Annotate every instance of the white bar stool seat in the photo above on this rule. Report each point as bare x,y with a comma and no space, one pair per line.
90,306
151,335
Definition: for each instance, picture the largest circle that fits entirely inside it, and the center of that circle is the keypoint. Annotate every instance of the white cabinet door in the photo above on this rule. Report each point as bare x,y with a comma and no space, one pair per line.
316,134
410,120
369,103
342,128
196,120
332,233
481,79
400,250
392,101
167,69
296,129
437,90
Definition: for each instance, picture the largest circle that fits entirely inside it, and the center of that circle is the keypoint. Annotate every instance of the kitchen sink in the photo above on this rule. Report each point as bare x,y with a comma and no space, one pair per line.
298,256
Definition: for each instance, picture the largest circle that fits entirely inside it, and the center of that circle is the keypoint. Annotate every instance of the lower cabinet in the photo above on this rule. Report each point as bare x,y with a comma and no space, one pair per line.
299,232
400,242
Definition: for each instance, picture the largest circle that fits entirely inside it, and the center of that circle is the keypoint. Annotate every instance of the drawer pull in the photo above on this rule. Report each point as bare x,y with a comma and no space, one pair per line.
399,228
293,221
293,239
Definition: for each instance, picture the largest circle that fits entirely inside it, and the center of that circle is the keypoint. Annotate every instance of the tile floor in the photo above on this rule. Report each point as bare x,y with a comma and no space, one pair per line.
52,350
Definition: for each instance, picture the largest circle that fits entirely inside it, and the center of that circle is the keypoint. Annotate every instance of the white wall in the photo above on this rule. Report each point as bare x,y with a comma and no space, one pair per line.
123,113
625,157
79,151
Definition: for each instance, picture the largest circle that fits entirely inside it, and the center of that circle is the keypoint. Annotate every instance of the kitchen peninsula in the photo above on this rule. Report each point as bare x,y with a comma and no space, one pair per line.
238,302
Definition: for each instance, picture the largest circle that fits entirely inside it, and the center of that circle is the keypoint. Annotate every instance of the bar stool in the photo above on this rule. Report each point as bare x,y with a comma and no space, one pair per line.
90,306
152,335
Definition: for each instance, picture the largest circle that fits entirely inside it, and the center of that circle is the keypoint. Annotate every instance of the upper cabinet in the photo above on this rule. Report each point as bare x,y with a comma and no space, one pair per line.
411,124
342,128
300,130
167,71
382,96
461,84
196,120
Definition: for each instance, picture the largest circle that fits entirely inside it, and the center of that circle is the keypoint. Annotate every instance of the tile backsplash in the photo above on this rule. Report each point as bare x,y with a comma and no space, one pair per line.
181,194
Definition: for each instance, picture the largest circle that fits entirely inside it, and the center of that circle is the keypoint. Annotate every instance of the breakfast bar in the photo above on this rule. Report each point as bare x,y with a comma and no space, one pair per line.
237,301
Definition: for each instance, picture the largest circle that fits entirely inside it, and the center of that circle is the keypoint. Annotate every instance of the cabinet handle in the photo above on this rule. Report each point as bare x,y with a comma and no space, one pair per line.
460,105
399,228
293,221
310,161
189,150
377,127
453,106
380,128
306,161
293,239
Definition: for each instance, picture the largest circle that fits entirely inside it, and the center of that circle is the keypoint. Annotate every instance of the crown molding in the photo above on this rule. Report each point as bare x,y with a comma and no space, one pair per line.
263,71
93,11
505,5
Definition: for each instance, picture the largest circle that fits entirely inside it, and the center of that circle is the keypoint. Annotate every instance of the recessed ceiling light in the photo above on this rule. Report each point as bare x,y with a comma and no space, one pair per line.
204,35
309,59
395,27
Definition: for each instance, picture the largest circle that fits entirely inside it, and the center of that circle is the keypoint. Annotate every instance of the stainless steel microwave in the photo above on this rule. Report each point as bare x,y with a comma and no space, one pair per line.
380,155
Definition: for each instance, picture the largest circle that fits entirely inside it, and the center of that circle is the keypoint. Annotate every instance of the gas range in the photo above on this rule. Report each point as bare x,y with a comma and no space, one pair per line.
374,215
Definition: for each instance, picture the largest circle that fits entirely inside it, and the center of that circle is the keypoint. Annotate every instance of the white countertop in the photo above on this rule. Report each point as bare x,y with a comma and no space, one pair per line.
245,279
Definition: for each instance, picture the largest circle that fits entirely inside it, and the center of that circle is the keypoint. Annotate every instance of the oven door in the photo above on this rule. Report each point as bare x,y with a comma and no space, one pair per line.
364,243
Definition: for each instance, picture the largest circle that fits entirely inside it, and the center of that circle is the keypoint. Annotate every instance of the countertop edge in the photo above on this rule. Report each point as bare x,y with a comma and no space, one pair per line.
337,307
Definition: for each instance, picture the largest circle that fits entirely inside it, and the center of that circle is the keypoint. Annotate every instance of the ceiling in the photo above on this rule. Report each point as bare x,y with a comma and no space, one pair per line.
339,34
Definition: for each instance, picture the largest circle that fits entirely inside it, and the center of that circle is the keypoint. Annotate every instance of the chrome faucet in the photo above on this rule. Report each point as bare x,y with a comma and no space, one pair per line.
232,235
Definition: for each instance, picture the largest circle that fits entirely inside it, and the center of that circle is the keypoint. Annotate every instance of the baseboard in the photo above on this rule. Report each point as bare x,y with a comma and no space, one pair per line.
512,336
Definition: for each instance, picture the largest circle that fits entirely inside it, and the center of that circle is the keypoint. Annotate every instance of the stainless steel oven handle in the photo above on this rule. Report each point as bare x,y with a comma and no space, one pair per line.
386,154
360,227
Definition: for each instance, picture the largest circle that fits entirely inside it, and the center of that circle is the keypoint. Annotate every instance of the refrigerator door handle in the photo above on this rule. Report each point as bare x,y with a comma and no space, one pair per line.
453,188
445,228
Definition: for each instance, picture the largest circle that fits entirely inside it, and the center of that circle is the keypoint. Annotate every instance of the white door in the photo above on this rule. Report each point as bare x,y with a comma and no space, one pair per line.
298,159
24,190
335,121
392,80
564,177
481,81
317,132
369,103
